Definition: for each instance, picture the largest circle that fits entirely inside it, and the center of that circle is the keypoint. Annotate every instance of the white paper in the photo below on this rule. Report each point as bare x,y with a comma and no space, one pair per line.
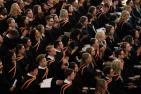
46,83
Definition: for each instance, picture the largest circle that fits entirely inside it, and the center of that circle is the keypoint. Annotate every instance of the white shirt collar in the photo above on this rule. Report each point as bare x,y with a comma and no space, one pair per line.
67,81
85,47
30,75
58,50
51,57
40,67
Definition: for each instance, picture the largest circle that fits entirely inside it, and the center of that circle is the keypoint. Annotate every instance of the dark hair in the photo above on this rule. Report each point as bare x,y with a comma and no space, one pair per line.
92,41
26,12
91,9
72,65
108,29
49,17
14,33
118,51
128,1
25,39
82,19
9,20
107,70
35,11
113,23
123,45
18,47
75,33
67,7
89,16
42,6
32,67
57,43
68,72
128,39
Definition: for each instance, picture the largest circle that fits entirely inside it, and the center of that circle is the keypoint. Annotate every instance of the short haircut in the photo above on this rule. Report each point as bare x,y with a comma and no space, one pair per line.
68,72
107,70
92,41
48,48
26,12
39,58
49,17
57,43
9,20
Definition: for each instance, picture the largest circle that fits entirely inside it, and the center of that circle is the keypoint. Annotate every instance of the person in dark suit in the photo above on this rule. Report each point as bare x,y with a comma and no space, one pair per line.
42,69
59,50
51,34
30,82
43,72
103,17
69,77
22,60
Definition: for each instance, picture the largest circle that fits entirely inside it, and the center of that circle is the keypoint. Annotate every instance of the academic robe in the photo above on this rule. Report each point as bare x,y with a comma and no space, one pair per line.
43,73
30,85
66,89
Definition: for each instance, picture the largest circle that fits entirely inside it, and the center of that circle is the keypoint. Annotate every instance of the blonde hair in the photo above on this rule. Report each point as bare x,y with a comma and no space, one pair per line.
100,86
63,13
15,9
116,66
100,36
123,16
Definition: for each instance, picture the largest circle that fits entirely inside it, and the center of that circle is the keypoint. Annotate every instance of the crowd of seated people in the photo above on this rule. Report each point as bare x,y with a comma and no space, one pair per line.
70,47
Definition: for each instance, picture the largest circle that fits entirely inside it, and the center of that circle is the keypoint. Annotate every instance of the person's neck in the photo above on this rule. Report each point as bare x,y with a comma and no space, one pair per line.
49,26
58,49
12,27
109,76
69,80
51,55
20,54
126,53
31,74
27,48
111,36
